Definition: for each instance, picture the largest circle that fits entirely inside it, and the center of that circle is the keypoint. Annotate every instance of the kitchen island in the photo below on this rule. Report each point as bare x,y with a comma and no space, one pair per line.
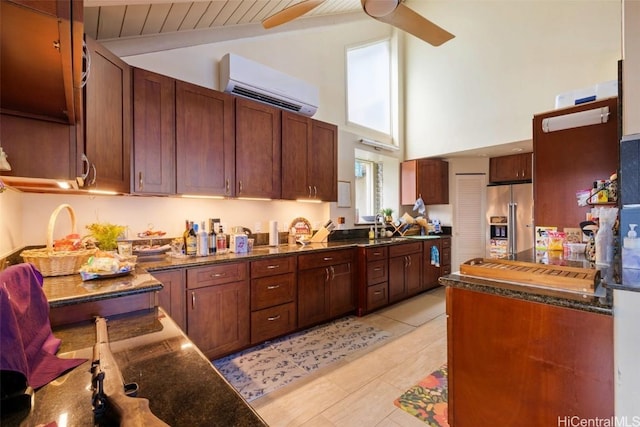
523,354
182,386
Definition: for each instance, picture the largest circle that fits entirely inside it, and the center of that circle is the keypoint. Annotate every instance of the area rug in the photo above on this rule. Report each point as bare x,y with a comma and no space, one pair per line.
428,399
262,369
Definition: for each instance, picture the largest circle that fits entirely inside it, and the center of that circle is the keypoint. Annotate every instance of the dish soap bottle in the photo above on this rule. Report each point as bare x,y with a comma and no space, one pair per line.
372,235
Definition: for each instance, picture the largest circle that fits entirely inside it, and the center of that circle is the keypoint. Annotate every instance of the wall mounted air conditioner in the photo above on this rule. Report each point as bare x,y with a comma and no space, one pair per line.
249,79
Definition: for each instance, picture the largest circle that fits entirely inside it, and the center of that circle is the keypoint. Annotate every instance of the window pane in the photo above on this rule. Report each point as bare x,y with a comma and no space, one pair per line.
369,86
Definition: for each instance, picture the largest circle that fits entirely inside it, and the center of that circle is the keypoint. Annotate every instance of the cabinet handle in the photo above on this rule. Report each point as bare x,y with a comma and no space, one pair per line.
272,318
95,174
272,287
409,259
216,275
226,186
315,192
86,58
327,258
377,253
326,270
271,267
140,180
240,187
309,191
87,164
193,300
377,292
333,273
377,269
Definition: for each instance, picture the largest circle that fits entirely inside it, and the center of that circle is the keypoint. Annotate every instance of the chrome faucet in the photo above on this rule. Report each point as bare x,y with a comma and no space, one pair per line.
375,225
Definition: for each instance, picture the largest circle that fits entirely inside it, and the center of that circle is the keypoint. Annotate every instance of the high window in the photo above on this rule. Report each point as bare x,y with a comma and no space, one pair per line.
369,86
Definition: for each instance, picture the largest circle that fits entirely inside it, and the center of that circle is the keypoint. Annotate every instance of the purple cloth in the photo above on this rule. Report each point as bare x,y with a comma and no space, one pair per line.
27,344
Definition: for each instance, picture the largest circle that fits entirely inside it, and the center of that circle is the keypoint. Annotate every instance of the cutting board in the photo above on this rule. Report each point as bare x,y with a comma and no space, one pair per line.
556,276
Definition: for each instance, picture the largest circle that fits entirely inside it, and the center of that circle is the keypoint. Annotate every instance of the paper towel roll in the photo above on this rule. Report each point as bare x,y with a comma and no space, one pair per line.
273,233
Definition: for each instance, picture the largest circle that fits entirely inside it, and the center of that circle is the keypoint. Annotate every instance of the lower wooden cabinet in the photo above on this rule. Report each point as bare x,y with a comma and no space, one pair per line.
325,286
273,298
218,308
172,296
405,270
511,360
432,271
373,278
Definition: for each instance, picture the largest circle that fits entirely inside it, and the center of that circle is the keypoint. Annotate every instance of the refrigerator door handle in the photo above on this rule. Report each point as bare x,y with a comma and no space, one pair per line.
512,241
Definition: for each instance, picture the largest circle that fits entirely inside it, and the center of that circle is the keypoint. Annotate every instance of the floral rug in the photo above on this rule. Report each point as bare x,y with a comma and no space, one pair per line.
428,399
262,369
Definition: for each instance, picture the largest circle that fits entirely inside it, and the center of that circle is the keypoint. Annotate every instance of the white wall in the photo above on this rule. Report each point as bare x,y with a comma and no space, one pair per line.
508,61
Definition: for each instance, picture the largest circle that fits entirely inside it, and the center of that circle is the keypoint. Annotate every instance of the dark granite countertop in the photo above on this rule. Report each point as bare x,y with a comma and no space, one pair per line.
168,262
182,386
71,289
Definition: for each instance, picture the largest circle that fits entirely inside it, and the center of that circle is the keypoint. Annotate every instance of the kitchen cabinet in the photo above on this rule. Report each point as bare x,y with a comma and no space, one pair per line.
431,272
566,161
511,169
41,59
172,296
426,178
533,361
325,286
258,150
205,134
309,158
107,130
218,312
373,278
154,137
405,270
273,298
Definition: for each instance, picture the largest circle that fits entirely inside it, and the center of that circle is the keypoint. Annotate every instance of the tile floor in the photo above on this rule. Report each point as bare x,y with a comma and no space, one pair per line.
360,390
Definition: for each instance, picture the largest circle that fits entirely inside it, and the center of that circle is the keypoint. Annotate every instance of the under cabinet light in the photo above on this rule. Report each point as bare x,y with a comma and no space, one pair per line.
574,120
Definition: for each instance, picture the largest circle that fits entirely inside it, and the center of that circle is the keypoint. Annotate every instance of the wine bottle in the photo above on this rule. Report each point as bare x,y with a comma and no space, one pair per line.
184,237
203,241
192,241
212,238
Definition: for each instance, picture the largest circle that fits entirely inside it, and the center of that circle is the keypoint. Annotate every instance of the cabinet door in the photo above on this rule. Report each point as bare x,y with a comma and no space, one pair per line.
205,127
258,150
107,138
426,178
323,161
154,140
397,284
313,296
431,272
341,290
296,137
172,297
218,318
413,274
514,168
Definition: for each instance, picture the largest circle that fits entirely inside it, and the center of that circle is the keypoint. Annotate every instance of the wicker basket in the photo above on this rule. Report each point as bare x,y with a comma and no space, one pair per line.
57,263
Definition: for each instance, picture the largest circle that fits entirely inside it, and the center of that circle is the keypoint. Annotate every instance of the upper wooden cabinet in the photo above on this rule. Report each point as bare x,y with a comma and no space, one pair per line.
566,161
426,178
309,158
258,148
205,129
107,131
154,138
511,169
41,59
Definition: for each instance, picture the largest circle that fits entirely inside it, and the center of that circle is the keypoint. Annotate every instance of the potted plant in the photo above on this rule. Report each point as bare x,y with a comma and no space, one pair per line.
106,235
386,213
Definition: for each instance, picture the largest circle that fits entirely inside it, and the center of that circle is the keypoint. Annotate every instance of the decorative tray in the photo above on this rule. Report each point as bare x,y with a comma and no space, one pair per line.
106,275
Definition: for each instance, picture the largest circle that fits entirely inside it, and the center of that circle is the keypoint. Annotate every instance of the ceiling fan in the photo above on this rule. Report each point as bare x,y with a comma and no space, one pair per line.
392,12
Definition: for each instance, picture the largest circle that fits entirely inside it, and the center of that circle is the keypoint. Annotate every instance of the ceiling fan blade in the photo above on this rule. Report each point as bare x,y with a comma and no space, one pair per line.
407,20
290,13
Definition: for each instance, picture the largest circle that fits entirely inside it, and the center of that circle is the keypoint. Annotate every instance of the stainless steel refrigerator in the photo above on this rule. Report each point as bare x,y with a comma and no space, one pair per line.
510,226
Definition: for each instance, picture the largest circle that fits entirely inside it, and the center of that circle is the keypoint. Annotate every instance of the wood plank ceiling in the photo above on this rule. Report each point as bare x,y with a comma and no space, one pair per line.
115,19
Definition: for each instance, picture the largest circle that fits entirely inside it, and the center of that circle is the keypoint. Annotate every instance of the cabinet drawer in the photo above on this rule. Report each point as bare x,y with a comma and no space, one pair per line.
272,322
405,249
272,290
376,272
374,254
272,266
377,296
445,242
324,259
216,274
